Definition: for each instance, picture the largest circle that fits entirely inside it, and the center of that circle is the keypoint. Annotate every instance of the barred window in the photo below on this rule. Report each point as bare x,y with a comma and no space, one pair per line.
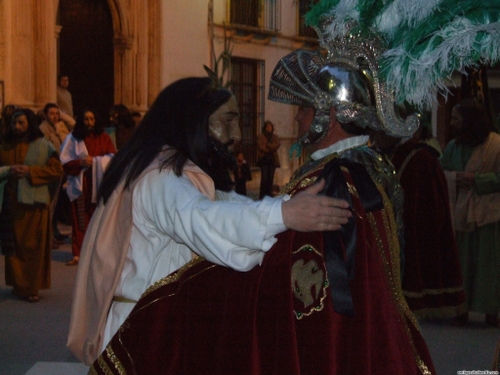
248,86
256,13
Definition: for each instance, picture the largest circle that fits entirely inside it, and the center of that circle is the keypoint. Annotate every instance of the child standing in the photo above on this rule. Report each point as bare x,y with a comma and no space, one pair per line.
242,174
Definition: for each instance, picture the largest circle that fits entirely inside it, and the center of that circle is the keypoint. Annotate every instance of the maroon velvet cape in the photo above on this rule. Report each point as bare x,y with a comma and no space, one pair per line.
432,278
277,318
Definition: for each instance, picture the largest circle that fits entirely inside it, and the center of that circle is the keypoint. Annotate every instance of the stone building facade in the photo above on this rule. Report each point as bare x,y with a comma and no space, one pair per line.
153,42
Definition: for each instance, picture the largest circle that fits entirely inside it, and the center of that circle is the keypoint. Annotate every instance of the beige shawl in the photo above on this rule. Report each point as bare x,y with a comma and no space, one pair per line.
471,209
102,258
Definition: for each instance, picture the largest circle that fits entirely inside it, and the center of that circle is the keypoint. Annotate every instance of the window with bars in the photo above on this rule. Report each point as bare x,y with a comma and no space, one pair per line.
263,14
304,6
247,84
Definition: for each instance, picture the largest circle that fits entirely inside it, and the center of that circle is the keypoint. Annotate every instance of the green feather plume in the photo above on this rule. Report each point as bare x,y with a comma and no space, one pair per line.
426,42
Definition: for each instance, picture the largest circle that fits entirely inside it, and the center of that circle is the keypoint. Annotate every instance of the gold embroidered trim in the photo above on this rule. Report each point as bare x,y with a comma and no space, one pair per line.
307,247
115,361
447,312
352,189
393,274
172,277
325,283
291,186
92,371
432,292
104,366
166,280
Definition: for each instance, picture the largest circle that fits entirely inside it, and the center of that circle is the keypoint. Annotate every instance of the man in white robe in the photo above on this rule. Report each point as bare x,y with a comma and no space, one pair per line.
165,217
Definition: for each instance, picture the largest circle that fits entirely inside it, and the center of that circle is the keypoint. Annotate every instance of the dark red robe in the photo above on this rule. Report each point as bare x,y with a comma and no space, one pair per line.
280,318
432,278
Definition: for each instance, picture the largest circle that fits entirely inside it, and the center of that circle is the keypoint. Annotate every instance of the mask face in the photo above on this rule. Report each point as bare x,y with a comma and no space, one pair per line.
224,123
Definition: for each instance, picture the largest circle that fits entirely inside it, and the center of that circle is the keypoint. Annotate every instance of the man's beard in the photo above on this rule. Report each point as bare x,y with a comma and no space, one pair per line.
221,160
18,136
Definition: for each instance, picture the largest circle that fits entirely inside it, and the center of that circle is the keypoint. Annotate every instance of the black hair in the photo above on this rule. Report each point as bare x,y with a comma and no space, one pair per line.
124,116
49,106
177,118
34,131
267,122
80,130
476,123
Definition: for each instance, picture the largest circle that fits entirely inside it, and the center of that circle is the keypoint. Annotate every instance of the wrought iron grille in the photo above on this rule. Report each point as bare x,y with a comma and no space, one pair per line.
264,14
248,87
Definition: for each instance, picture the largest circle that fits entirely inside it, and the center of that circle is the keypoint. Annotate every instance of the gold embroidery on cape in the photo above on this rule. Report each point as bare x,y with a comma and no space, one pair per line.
116,362
292,186
173,277
304,277
352,189
431,292
166,280
104,366
392,271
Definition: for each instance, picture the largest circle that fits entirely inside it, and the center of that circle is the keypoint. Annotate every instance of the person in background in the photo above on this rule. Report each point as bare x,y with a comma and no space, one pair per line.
64,97
5,121
242,174
123,123
431,275
85,154
267,157
56,132
52,127
472,168
136,116
28,165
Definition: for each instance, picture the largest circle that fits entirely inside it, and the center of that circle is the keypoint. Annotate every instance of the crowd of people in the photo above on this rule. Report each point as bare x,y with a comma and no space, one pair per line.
51,164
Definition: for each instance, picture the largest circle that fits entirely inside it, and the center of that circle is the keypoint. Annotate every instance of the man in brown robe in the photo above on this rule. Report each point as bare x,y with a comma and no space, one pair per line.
28,164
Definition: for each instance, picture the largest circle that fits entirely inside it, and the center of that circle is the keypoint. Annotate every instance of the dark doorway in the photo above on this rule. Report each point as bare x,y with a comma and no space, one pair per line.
86,54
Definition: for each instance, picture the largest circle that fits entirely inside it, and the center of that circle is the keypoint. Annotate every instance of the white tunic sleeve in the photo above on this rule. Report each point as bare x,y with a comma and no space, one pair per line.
234,234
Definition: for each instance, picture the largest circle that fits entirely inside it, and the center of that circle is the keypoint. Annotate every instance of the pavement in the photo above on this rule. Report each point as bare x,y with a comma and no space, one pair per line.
33,335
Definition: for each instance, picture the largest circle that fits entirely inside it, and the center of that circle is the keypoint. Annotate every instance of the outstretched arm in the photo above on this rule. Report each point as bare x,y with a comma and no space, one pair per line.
308,211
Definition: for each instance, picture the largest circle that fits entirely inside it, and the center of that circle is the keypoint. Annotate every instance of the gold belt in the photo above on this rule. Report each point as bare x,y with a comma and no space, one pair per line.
123,299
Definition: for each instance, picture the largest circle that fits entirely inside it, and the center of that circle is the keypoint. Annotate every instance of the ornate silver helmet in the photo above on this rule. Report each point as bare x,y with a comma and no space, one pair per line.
345,77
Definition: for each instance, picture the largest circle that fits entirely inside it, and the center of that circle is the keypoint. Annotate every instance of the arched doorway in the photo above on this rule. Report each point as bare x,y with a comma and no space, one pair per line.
86,54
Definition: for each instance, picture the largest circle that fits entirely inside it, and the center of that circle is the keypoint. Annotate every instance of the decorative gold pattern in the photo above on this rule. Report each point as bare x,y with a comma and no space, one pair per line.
172,277
432,292
166,280
298,176
352,189
392,271
104,366
304,277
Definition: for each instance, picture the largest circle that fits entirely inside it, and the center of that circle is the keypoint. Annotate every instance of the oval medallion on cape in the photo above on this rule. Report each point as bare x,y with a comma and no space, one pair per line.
309,281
